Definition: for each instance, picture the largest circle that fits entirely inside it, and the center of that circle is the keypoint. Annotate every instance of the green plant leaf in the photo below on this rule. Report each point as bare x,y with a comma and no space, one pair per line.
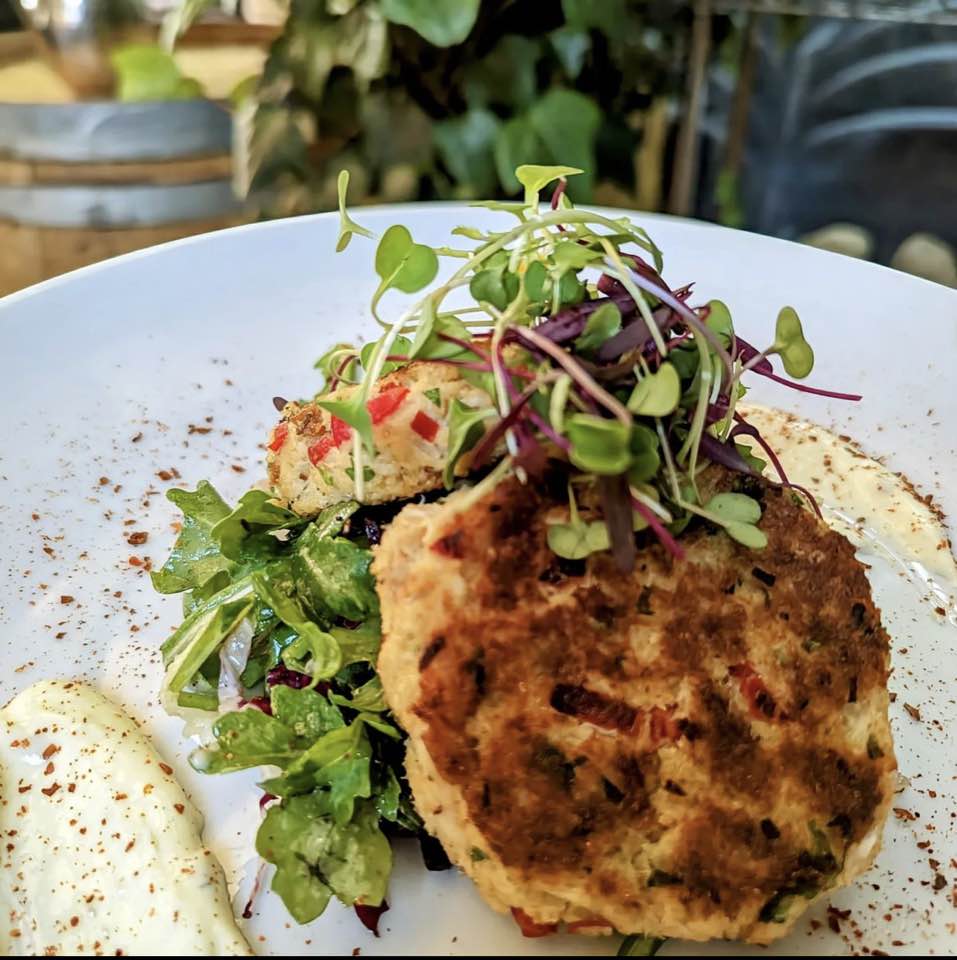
534,178
645,459
466,426
347,226
658,394
789,343
598,445
605,322
441,22
516,144
568,124
466,145
571,46
146,72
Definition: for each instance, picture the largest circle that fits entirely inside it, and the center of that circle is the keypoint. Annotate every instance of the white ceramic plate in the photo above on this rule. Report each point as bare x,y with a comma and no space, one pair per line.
205,331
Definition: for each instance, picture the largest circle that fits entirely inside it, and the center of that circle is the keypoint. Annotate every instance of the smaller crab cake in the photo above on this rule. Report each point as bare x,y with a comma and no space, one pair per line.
697,749
309,453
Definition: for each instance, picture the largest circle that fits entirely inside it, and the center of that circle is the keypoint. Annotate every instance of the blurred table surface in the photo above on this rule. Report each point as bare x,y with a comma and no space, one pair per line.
909,11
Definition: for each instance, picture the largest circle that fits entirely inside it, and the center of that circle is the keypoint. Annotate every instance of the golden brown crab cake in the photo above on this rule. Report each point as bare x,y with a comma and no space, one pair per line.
309,456
695,750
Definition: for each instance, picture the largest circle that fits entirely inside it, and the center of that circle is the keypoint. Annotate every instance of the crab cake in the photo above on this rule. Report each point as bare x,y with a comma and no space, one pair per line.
309,453
697,749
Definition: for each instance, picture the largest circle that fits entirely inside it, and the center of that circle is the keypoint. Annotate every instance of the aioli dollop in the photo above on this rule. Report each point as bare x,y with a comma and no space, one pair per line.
102,852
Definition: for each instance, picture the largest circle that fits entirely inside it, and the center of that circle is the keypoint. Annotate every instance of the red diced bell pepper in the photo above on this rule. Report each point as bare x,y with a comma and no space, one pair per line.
341,432
425,426
761,704
386,403
529,927
663,725
279,437
320,448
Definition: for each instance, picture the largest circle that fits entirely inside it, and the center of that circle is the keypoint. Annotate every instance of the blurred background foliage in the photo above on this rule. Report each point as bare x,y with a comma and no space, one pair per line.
442,99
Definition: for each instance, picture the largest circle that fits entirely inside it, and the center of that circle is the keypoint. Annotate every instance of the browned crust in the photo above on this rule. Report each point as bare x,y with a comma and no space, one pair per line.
560,794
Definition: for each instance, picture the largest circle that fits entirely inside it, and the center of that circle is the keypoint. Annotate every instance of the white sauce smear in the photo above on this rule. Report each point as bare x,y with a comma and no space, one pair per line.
877,510
102,852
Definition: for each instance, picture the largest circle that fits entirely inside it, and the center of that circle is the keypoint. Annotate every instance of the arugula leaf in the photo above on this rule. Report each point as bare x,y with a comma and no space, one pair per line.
354,861
275,586
339,761
369,696
205,635
361,644
307,713
247,738
332,519
243,533
195,557
332,577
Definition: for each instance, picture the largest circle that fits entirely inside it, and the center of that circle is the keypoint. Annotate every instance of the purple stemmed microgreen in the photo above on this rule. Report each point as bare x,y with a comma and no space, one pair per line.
620,374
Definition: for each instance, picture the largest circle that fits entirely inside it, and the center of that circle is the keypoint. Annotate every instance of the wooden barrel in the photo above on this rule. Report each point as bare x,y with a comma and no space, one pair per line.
83,181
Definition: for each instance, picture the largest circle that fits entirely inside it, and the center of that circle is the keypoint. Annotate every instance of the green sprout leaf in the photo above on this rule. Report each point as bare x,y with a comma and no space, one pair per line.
738,514
402,263
352,411
534,178
734,507
790,345
536,282
402,346
605,322
575,541
466,426
747,534
578,538
347,226
334,358
658,394
719,320
645,459
598,445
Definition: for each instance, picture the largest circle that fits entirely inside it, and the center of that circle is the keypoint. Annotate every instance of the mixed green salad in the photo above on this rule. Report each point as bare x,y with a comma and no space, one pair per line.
585,354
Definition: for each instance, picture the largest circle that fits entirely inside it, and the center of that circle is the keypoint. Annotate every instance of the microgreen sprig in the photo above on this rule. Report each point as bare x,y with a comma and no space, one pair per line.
586,355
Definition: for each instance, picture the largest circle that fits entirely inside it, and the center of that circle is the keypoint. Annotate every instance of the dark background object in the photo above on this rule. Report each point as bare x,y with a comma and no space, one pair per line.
853,121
